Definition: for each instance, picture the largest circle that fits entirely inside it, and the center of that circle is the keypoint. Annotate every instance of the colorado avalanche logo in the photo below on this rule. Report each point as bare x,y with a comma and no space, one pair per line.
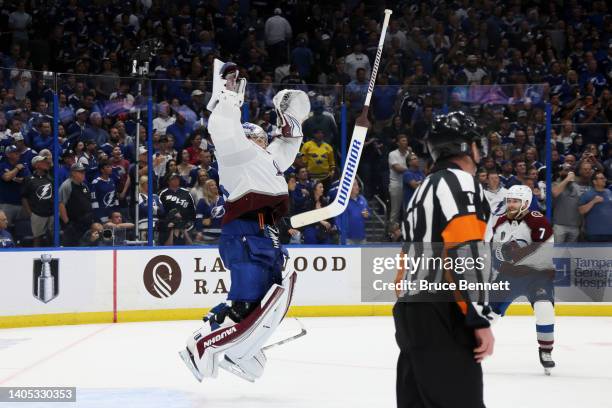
44,192
217,212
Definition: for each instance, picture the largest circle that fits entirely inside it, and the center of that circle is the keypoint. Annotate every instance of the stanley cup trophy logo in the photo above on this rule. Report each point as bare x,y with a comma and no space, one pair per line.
46,278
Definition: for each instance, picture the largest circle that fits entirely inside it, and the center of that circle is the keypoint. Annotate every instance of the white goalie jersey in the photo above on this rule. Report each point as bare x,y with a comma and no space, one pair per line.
252,175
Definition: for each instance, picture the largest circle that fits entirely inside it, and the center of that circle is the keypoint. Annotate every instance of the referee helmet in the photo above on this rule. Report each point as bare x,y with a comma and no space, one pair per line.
452,134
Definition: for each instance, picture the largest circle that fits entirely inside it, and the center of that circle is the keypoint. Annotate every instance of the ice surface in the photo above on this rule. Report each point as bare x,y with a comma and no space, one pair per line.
341,362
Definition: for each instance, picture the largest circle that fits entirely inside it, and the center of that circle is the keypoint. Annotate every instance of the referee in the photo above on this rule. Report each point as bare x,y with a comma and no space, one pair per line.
442,341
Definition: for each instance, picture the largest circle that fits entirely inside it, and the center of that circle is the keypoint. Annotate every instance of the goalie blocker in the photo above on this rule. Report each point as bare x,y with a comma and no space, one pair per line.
237,346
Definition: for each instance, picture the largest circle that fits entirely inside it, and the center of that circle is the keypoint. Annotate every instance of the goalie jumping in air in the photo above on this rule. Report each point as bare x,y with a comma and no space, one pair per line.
252,172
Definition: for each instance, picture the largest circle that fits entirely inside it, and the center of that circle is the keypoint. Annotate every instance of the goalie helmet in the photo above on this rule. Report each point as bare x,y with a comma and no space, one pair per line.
452,134
522,193
255,133
292,108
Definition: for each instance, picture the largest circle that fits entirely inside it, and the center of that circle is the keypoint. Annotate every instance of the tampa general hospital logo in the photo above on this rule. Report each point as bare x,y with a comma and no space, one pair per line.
162,276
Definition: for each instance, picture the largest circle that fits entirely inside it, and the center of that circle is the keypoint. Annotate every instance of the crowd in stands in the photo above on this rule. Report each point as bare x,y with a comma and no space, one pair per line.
501,62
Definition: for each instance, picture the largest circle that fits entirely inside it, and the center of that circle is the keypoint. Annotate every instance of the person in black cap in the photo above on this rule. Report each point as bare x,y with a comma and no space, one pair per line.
75,206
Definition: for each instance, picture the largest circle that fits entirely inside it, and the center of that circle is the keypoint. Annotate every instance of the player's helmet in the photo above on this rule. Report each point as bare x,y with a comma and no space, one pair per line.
255,133
452,134
522,193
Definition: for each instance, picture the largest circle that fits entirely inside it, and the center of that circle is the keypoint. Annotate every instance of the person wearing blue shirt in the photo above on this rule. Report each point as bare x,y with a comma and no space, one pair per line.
6,239
412,178
357,212
205,160
180,130
25,153
12,175
596,207
104,193
209,212
43,138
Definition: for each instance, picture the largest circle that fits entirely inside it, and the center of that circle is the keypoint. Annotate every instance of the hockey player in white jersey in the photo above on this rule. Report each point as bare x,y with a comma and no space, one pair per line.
251,170
521,255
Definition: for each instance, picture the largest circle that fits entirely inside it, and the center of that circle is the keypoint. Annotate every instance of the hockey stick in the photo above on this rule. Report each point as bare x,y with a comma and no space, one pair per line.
288,339
349,172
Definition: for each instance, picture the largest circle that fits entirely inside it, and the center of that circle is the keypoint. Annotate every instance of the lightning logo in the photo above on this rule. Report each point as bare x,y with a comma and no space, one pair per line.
44,192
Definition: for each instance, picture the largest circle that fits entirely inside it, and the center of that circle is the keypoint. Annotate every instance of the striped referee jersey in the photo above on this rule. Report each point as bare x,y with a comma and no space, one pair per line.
446,218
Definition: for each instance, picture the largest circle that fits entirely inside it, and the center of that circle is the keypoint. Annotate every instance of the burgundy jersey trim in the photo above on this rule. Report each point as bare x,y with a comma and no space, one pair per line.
279,205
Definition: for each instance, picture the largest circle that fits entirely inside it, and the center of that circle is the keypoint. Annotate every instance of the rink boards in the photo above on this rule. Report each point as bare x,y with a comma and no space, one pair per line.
125,285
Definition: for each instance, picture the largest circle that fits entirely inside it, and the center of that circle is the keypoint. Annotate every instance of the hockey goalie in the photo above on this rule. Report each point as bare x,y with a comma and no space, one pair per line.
251,171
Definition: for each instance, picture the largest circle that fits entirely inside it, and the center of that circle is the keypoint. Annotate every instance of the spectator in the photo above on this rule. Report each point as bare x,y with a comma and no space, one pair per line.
93,236
44,139
179,130
37,201
303,186
180,213
357,60
507,178
12,175
75,207
303,58
356,91
397,167
495,191
117,229
194,149
595,205
339,76
520,168
204,163
88,159
104,193
209,213
320,233
25,153
184,167
197,191
277,34
68,158
95,131
321,121
143,208
412,178
319,157
356,213
163,120
566,194
6,239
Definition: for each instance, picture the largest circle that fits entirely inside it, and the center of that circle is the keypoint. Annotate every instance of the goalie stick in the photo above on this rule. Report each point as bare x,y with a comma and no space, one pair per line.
349,172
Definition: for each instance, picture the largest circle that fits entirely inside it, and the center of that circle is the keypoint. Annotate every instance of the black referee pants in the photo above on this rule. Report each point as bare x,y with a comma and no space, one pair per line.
436,366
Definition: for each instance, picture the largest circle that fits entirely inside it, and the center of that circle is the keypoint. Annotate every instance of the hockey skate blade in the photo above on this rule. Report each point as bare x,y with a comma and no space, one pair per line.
186,357
229,366
547,372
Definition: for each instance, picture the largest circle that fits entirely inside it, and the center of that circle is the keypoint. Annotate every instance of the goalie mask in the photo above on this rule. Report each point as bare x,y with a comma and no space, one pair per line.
292,108
256,134
522,194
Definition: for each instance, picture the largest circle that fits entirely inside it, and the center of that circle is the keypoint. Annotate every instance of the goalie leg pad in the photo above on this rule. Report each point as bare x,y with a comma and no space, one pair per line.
242,342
